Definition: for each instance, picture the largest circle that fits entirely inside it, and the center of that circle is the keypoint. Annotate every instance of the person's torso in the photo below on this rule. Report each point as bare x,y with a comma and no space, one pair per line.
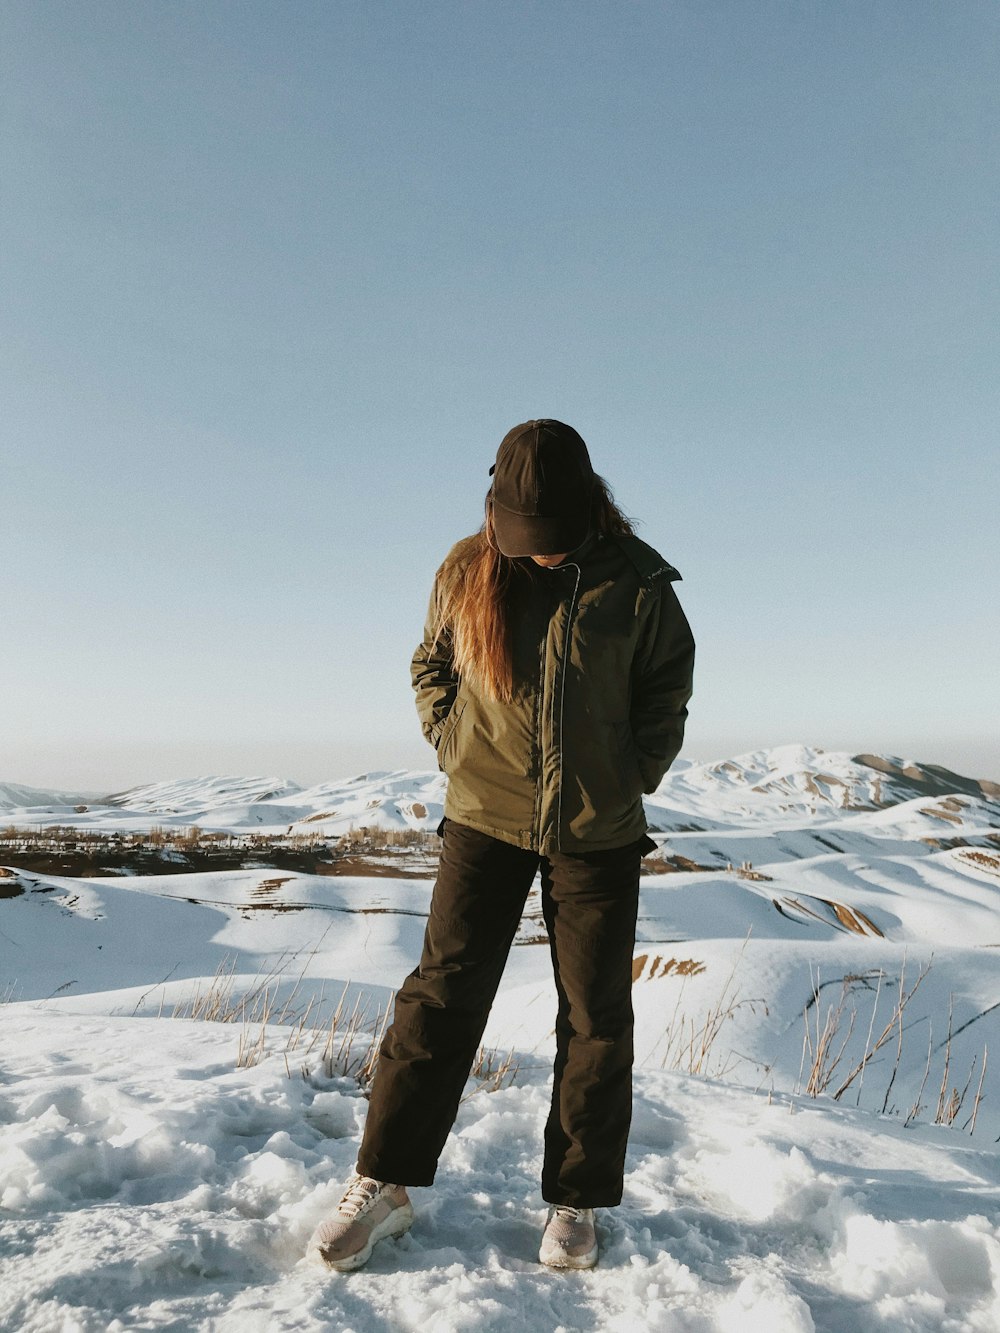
555,768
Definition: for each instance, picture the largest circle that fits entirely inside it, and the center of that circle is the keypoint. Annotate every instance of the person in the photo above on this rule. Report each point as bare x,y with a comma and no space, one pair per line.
552,680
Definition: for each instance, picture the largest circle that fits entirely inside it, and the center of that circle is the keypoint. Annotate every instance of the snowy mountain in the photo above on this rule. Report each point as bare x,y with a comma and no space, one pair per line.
785,786
193,795
14,795
395,799
789,783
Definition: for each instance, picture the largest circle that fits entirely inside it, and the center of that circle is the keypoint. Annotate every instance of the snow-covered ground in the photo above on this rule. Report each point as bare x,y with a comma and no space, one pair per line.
147,1181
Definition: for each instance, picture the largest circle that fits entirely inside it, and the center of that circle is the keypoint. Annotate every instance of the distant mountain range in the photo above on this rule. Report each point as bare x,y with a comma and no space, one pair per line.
15,794
783,786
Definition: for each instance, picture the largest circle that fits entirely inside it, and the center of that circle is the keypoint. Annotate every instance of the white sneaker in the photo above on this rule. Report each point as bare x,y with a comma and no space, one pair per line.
369,1211
569,1239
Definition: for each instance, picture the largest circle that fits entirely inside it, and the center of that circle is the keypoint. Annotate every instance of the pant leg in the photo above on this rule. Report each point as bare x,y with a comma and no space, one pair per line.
442,1007
590,902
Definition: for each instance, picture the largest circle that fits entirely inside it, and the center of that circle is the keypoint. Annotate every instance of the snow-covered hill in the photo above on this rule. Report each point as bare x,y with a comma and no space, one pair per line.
397,799
787,786
15,796
192,796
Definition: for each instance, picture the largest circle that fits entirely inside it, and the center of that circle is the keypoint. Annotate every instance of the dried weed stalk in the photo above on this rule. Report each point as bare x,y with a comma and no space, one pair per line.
689,1042
825,1042
346,1044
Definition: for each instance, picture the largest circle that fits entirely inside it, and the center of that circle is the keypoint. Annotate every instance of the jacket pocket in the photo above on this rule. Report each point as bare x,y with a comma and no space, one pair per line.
628,764
448,732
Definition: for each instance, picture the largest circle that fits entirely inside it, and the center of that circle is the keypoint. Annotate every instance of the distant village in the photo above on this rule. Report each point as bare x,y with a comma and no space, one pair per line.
62,849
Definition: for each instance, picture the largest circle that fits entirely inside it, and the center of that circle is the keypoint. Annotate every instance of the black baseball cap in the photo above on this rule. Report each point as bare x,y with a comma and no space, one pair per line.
543,483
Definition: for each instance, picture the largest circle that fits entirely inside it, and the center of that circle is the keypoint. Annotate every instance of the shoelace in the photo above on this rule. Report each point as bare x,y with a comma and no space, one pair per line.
360,1192
569,1214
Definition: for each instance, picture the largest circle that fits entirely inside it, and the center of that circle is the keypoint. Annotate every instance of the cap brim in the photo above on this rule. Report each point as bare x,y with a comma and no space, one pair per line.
527,534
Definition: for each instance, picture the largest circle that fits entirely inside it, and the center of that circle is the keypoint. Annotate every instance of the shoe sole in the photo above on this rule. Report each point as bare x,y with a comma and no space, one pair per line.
397,1223
588,1260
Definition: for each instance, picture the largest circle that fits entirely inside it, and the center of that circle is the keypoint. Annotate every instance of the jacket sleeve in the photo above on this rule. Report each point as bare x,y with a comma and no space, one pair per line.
432,672
662,676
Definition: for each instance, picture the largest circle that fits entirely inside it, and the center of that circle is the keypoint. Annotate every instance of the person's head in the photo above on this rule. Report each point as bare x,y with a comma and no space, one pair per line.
543,486
544,503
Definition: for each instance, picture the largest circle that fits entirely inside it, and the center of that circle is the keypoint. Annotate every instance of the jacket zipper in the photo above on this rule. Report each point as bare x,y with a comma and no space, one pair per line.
562,698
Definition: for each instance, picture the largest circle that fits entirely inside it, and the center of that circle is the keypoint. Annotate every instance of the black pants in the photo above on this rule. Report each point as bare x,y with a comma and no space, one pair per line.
590,902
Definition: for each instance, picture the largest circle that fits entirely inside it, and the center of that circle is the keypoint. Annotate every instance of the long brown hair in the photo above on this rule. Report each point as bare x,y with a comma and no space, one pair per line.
474,598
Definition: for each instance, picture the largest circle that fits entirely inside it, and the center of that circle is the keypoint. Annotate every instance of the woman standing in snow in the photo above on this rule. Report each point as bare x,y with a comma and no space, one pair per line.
552,680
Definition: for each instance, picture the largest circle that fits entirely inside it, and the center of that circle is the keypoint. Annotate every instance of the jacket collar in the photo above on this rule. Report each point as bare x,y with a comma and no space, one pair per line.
584,550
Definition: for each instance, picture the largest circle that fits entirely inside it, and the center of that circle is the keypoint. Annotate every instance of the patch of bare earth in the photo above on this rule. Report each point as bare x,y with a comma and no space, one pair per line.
661,967
668,865
10,884
260,894
987,861
948,808
404,868
839,914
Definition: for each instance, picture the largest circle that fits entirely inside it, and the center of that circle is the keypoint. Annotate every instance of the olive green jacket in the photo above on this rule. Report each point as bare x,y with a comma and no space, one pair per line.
603,659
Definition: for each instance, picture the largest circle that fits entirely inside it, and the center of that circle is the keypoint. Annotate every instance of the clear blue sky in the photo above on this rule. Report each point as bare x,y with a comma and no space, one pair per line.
279,276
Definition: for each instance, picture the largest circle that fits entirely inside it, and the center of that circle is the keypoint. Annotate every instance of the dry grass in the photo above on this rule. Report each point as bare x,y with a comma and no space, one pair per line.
687,1043
827,1035
347,1043
987,861
493,1070
256,1008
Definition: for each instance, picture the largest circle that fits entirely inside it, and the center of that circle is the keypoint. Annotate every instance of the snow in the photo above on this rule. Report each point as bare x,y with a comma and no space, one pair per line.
149,1181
